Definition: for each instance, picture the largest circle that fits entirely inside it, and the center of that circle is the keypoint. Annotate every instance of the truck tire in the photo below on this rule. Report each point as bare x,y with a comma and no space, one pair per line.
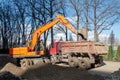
84,63
53,59
99,62
87,62
60,57
73,62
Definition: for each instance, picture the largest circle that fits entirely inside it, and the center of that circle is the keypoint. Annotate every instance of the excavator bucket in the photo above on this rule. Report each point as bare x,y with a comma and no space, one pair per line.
83,33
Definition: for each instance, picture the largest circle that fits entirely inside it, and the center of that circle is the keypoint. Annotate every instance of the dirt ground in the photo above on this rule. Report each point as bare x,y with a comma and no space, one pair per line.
50,72
107,69
54,72
42,71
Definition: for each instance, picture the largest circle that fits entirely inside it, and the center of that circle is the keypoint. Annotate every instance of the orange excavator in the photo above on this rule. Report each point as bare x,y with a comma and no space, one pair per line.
25,55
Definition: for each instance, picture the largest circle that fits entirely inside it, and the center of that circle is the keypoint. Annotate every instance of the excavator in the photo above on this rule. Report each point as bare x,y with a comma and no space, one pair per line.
26,55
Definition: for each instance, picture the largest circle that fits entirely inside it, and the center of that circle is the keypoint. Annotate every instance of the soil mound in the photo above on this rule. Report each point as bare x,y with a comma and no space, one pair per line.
15,70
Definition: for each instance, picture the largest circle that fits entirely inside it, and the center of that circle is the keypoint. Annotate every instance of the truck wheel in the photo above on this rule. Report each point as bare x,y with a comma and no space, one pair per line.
73,62
60,58
87,62
99,62
25,63
84,63
53,59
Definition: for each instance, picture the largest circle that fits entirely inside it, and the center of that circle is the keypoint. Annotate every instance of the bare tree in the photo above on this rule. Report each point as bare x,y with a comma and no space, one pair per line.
77,8
5,24
104,16
21,9
86,12
96,14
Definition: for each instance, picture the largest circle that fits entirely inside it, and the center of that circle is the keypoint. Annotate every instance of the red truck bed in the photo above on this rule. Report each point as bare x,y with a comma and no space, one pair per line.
79,47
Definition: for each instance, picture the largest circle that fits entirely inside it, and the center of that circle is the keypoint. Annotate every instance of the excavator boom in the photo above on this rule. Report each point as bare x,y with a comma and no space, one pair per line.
37,33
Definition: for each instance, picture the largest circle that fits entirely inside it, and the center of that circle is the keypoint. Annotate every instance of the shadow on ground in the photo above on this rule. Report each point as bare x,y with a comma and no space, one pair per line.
54,72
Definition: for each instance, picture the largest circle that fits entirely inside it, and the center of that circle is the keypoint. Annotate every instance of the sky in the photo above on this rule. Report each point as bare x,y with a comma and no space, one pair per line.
116,30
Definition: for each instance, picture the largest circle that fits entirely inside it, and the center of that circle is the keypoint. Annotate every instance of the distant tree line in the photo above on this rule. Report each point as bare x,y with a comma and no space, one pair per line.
113,49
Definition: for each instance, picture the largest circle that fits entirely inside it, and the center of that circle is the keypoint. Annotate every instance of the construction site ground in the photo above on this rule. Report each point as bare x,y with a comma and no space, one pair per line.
42,71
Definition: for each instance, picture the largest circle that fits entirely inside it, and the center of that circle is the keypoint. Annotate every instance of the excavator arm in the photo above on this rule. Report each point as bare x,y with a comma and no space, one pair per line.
37,33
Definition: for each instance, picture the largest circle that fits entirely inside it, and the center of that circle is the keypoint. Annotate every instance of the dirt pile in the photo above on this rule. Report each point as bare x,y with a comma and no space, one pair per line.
17,71
12,72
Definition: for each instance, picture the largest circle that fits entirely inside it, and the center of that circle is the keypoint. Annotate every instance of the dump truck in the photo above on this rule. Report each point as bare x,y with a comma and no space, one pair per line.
82,54
27,55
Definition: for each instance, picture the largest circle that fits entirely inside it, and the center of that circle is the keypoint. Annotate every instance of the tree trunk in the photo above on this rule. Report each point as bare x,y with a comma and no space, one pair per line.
96,36
51,16
52,40
66,35
45,41
5,43
87,7
95,24
78,19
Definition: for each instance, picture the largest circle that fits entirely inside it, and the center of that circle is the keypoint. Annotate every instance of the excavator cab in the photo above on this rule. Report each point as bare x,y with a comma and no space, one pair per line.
39,49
